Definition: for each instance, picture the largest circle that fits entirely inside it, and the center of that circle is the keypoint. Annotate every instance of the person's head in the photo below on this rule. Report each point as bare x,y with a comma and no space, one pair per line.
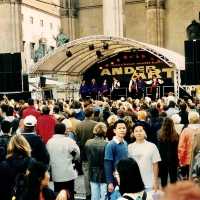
183,190
60,128
56,109
100,129
128,120
30,102
45,110
37,179
183,106
29,123
10,111
172,104
18,145
89,112
120,128
5,126
112,119
130,180
142,115
167,131
176,118
193,117
139,132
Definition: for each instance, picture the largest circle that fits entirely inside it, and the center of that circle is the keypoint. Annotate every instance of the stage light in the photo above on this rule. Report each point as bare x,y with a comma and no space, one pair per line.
68,54
99,54
105,45
91,47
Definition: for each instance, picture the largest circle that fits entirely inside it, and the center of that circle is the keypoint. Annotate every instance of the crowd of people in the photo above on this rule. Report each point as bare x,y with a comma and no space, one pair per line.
124,149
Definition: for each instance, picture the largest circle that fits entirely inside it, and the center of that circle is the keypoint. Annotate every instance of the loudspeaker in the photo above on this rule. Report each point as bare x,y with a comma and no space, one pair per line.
10,82
10,72
25,83
48,94
192,62
42,81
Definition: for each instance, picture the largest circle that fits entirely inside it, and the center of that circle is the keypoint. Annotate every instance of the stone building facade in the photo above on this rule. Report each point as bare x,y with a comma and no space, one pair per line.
160,22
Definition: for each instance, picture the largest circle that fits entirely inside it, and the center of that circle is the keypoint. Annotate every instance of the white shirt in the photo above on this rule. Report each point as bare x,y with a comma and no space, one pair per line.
60,148
145,154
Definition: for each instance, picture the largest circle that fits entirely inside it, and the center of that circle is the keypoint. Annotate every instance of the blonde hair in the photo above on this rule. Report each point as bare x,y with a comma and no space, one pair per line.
142,115
112,119
193,117
18,144
100,129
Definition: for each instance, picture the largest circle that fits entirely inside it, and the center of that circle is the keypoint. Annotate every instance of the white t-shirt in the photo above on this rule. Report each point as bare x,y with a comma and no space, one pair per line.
145,155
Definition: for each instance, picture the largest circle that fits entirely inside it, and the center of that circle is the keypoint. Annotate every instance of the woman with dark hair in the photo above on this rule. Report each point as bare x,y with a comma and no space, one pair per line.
130,182
36,184
168,148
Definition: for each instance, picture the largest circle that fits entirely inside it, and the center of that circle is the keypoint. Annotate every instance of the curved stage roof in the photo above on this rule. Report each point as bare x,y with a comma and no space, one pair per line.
80,57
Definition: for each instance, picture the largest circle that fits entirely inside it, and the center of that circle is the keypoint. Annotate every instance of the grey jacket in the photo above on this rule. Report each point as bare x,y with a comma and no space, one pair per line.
94,149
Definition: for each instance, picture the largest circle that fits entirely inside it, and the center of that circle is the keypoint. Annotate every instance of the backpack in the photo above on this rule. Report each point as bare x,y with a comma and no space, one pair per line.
4,140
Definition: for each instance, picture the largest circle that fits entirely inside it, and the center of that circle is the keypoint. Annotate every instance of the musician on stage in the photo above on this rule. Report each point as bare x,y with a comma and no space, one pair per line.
94,89
140,87
105,89
83,91
155,82
115,88
133,87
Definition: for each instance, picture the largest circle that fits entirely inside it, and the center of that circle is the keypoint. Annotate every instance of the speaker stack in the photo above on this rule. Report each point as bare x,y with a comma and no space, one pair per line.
12,82
192,63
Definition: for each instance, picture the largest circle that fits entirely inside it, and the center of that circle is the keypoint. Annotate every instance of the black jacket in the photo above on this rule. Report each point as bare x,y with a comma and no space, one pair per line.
39,151
9,169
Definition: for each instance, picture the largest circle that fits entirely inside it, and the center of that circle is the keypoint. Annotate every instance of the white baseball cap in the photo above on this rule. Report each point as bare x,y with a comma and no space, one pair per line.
30,120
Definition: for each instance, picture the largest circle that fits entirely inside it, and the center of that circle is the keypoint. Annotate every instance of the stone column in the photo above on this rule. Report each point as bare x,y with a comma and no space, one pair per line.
113,17
155,22
69,14
11,26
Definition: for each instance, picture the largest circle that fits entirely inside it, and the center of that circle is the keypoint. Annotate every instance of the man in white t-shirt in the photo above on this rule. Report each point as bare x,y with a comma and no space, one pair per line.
147,156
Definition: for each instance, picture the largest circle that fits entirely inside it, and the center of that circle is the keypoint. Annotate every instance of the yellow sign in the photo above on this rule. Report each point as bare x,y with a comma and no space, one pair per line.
145,72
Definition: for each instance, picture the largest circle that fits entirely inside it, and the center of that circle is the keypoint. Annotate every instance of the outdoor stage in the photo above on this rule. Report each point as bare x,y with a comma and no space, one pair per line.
103,57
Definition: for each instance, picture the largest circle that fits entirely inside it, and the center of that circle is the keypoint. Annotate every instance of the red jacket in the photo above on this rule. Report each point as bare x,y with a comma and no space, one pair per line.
45,127
31,110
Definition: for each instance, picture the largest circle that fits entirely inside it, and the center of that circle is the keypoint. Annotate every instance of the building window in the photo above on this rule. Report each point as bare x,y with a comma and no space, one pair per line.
41,23
31,20
32,50
51,26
